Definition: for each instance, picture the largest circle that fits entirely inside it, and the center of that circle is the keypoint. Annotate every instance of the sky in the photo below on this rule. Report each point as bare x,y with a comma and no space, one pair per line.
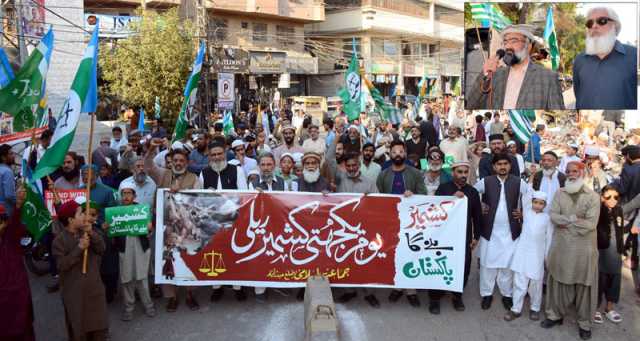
628,13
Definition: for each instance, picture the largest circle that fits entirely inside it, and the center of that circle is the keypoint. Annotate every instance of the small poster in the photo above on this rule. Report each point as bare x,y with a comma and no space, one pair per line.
130,220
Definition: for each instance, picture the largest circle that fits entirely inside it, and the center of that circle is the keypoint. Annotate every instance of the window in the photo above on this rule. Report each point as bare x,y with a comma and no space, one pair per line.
390,48
406,48
244,25
424,50
376,48
433,50
285,35
219,29
347,47
259,32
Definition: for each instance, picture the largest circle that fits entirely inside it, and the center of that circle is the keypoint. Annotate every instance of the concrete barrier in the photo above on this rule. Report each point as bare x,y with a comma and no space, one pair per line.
321,322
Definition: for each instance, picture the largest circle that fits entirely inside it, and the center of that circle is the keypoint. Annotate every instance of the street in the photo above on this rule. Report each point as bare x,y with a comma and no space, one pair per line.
281,319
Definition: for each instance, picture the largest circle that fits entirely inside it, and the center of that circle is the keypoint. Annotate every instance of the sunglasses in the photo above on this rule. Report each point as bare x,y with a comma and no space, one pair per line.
601,21
609,197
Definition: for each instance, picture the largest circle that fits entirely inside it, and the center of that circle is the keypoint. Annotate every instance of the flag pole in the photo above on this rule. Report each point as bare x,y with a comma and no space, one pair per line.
484,58
89,178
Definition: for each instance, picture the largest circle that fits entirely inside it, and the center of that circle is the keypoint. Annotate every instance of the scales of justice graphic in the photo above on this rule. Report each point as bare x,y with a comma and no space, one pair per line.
215,267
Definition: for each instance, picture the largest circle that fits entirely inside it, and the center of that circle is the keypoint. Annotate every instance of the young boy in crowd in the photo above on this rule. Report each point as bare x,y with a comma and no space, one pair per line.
83,295
135,254
529,257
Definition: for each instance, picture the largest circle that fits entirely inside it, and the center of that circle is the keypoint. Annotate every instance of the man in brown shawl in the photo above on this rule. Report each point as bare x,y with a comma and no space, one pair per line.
83,295
573,258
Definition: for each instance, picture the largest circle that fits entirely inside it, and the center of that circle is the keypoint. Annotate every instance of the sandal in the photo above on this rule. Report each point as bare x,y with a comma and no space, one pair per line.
597,318
614,316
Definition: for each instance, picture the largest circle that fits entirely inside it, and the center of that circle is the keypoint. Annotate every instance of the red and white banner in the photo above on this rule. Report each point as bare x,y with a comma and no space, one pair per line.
65,195
279,239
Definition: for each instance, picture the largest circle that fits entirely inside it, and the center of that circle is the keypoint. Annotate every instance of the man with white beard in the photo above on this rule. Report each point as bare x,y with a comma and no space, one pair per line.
604,76
572,263
520,85
220,175
549,178
311,180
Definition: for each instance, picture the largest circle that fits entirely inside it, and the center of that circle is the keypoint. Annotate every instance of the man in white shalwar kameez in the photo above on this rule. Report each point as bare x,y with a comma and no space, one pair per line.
529,257
501,195
134,254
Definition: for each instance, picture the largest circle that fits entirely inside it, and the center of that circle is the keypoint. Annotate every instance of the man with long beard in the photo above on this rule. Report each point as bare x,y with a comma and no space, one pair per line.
405,180
176,178
549,178
289,145
221,175
70,177
520,85
311,181
573,257
604,76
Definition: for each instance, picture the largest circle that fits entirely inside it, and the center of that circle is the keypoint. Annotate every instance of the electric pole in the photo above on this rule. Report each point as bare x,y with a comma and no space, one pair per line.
203,33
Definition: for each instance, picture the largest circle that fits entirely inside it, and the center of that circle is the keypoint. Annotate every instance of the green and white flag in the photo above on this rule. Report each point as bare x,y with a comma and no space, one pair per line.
20,97
352,91
80,93
156,108
489,16
227,124
190,95
521,122
552,40
34,214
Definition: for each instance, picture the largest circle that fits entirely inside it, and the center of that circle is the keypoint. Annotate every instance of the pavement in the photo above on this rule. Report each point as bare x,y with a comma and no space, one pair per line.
282,319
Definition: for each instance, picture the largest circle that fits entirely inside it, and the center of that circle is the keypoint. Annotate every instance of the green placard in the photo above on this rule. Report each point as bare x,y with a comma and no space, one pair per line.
130,220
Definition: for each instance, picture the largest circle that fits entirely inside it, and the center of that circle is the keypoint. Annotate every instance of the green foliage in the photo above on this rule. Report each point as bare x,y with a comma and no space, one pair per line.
154,62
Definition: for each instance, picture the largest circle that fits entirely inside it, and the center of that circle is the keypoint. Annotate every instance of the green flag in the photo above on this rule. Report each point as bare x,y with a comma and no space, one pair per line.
381,106
190,93
227,124
70,113
551,40
489,15
25,90
352,91
520,121
34,214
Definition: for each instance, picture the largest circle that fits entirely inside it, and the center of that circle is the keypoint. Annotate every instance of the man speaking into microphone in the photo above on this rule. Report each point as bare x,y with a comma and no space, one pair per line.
522,84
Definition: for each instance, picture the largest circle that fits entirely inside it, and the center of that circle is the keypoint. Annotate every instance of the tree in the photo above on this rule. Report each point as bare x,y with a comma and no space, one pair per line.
155,61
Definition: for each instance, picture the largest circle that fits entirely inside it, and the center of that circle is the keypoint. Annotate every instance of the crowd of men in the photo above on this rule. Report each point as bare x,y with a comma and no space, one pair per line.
534,216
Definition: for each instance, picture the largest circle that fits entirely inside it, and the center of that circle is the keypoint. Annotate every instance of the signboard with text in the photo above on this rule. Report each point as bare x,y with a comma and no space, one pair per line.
279,239
129,220
230,60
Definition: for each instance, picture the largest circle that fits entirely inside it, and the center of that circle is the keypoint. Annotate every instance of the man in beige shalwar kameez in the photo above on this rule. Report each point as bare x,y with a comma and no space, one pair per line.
573,257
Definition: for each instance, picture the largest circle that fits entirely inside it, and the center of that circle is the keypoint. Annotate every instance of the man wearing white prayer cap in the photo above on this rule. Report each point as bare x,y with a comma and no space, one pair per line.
520,85
596,177
528,259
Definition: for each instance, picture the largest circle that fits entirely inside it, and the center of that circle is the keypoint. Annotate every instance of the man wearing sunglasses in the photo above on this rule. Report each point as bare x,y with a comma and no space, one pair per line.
605,74
520,85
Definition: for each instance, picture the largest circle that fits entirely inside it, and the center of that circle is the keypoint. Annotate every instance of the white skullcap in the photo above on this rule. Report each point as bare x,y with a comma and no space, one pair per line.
353,126
511,143
486,150
287,154
236,143
592,151
459,163
81,200
297,158
540,195
177,145
573,145
603,136
253,172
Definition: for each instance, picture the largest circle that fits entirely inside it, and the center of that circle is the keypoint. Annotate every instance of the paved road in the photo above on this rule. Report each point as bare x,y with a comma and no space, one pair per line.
281,319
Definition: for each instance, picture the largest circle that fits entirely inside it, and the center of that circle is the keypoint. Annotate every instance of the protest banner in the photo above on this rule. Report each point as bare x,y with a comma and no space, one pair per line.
129,220
279,239
65,195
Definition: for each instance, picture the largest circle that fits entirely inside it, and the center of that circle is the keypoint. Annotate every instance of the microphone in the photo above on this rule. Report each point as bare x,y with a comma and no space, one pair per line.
500,53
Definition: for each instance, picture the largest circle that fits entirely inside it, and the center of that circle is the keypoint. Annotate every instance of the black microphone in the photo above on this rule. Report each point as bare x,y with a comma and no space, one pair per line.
500,53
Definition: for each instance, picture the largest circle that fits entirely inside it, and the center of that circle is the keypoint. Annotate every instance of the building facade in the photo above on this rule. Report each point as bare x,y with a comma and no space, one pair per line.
397,41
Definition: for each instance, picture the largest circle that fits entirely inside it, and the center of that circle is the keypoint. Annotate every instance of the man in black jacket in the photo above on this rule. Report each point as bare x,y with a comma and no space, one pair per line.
549,179
496,143
460,188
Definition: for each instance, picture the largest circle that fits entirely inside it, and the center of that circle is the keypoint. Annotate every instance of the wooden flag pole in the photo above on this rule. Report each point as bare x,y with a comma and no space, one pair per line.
89,177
